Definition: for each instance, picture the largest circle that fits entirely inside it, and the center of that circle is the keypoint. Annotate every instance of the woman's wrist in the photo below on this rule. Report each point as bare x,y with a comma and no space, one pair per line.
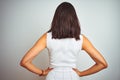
80,74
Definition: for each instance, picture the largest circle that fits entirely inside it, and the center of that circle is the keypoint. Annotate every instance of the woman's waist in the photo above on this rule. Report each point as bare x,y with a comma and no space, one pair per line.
62,68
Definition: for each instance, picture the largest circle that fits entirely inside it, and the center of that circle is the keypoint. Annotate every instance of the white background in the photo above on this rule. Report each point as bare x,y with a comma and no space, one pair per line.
22,22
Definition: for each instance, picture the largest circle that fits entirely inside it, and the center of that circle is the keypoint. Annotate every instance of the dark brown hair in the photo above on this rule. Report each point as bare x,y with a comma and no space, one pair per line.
65,23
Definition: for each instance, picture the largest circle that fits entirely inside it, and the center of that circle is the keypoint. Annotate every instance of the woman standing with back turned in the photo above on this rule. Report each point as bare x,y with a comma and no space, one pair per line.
64,41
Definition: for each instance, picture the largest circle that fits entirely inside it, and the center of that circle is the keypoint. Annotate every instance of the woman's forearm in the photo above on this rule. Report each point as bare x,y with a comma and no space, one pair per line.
95,68
32,68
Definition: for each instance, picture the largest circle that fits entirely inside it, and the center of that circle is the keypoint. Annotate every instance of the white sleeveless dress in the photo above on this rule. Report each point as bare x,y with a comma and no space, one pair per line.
62,57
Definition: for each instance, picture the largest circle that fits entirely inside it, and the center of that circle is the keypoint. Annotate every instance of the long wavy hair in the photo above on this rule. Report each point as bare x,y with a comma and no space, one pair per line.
65,23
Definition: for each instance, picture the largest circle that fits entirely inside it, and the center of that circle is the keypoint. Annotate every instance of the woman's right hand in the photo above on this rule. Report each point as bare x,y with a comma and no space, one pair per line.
77,71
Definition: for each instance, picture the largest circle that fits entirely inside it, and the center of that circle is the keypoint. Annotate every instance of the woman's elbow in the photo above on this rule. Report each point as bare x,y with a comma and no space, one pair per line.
22,63
104,65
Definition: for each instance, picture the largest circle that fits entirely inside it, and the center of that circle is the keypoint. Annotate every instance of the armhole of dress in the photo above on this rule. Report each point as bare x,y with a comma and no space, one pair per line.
47,39
81,39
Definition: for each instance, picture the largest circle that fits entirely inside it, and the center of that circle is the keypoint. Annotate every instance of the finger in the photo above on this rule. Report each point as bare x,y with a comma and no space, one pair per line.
50,68
43,72
74,69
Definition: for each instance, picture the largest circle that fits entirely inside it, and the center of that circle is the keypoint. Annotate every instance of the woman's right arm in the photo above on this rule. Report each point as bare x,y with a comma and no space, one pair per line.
99,60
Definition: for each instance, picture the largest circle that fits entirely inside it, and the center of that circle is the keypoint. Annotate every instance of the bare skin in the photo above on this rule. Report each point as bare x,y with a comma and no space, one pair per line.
100,62
31,54
40,45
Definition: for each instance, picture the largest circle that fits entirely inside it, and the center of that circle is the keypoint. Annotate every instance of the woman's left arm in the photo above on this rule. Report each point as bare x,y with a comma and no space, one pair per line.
26,61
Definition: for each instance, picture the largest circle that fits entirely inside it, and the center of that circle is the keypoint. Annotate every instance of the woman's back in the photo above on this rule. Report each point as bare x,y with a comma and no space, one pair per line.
63,52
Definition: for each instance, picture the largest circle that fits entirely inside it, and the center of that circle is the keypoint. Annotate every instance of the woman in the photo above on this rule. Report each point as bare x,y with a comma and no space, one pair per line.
64,41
